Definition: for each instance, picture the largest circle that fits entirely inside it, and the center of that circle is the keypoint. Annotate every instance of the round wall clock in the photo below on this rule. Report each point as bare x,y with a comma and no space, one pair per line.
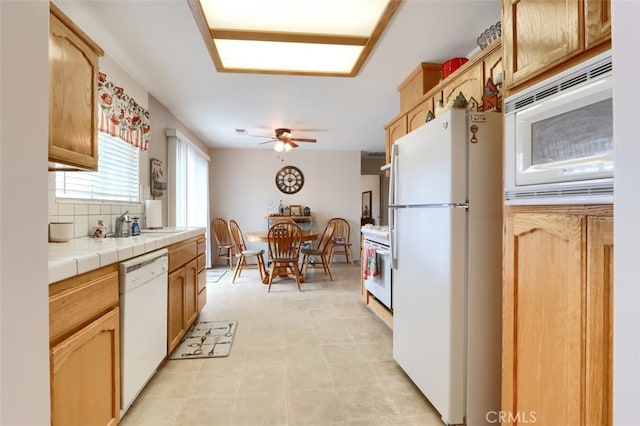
289,179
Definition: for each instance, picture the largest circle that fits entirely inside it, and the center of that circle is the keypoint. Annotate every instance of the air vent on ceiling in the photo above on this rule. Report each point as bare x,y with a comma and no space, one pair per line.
582,74
241,132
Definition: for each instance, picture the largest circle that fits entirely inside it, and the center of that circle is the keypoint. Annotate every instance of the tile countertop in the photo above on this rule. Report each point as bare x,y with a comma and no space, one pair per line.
82,255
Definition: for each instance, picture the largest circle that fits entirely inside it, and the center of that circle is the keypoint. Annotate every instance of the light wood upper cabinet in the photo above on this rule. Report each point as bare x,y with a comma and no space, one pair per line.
418,115
493,66
73,95
470,83
470,80
557,315
597,22
540,36
394,130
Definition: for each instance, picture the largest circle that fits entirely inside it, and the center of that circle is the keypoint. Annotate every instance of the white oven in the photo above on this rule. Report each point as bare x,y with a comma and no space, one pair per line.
559,138
376,263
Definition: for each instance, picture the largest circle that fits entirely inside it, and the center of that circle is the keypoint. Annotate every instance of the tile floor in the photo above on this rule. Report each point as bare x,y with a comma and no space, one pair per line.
316,357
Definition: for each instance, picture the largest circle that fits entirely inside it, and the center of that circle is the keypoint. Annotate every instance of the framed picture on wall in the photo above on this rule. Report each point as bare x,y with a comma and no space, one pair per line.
295,210
366,204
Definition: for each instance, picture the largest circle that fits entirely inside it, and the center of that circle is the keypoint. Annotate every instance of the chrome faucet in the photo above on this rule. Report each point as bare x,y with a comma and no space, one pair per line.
120,220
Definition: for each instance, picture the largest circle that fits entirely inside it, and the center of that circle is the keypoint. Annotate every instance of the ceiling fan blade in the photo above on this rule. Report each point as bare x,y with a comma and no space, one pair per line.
302,139
272,140
293,144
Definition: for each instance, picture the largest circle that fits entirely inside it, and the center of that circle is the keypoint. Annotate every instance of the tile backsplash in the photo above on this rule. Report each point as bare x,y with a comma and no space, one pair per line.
85,213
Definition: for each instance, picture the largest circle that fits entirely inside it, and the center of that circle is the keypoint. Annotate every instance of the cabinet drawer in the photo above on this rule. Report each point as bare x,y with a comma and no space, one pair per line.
202,280
202,299
202,245
181,253
80,299
202,262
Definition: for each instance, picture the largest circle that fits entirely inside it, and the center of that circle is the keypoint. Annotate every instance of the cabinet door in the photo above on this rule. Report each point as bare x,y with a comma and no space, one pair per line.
597,16
73,88
470,83
418,115
85,375
543,321
493,69
191,293
599,337
538,35
396,130
176,308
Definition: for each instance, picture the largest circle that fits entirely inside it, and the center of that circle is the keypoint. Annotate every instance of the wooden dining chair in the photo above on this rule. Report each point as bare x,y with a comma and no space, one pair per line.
242,253
285,239
225,244
321,252
340,242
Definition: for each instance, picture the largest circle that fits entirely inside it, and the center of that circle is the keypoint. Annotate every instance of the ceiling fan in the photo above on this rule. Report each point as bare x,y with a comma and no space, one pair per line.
284,141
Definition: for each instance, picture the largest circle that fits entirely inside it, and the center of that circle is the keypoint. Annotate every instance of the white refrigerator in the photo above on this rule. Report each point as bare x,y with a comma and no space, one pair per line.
445,215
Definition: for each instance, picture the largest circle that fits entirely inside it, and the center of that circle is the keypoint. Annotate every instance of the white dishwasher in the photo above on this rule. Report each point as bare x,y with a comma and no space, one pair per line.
143,322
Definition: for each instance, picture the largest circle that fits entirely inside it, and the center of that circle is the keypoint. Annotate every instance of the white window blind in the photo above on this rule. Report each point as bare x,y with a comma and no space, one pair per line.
192,186
117,178
188,193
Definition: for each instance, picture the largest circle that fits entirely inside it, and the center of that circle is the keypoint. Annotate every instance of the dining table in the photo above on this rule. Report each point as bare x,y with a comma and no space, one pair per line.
263,237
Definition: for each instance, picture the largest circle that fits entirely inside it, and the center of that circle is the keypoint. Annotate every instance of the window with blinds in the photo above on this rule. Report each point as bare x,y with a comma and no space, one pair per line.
117,178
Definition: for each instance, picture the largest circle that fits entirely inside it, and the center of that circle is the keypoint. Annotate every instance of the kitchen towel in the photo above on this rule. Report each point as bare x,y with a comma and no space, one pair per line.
371,265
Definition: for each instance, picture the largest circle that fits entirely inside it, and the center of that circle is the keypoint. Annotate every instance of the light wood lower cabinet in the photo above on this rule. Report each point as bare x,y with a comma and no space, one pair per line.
176,312
187,287
191,292
557,312
85,373
84,334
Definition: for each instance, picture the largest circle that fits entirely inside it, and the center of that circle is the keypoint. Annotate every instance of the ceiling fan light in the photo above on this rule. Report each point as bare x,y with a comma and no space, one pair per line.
279,146
287,147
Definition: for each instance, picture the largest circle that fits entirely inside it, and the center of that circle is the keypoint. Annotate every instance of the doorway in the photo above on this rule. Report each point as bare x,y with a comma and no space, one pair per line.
374,180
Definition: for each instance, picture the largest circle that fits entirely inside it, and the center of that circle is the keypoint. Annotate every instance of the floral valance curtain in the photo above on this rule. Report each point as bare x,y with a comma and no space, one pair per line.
121,116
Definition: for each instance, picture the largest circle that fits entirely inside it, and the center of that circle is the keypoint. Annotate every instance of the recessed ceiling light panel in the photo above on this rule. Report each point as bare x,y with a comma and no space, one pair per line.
346,17
296,57
310,37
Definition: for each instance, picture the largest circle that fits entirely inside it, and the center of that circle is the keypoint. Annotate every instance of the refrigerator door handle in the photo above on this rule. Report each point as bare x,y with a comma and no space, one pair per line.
392,202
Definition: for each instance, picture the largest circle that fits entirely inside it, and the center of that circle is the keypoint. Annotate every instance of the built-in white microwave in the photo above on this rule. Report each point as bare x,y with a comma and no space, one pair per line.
559,138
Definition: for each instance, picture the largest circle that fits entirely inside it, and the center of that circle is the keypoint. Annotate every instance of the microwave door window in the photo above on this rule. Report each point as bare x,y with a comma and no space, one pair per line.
583,132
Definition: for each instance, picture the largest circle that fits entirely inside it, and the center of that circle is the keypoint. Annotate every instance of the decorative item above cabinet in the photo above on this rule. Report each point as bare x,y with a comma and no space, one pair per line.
73,95
475,82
